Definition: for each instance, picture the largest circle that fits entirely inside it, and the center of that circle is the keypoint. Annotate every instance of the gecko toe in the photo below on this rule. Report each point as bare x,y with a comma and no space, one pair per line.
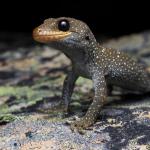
80,126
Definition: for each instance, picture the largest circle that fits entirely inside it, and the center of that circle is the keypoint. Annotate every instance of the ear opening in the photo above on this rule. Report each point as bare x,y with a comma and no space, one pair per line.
87,38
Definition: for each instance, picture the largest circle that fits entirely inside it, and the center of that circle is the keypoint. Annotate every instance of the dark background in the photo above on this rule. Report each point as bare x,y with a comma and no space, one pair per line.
106,17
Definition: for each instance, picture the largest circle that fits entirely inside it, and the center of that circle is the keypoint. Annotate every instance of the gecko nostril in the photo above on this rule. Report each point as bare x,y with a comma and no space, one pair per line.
39,30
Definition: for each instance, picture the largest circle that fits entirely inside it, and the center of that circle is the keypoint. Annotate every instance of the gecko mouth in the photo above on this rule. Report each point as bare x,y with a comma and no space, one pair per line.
48,36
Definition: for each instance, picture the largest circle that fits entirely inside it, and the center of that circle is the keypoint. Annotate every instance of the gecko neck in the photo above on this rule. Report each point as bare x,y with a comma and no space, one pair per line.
78,54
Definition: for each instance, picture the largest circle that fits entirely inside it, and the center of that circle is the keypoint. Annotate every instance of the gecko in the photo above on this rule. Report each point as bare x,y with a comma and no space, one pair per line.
104,66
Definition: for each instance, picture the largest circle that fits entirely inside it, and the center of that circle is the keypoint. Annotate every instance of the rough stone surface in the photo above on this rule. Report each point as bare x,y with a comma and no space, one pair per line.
31,77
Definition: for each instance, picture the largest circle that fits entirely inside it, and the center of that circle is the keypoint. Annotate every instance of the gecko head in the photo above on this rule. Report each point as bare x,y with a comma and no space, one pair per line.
64,33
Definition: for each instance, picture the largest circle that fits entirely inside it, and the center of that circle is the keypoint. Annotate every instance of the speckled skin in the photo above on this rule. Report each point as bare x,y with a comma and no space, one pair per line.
90,60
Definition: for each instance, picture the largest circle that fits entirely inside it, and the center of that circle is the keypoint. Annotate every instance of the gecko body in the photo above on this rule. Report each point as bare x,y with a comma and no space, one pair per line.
105,66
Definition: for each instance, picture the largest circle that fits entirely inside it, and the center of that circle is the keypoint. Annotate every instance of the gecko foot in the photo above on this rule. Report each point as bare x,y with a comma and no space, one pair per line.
81,125
63,106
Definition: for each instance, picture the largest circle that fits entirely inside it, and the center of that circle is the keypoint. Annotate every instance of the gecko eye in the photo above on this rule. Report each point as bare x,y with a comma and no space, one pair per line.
63,25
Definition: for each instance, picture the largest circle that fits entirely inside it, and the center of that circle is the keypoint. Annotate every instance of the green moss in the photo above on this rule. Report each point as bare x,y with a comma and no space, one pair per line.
26,96
81,81
5,118
4,108
18,91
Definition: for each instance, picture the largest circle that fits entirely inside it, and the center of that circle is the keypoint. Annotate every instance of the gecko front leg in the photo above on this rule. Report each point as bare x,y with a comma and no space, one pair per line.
68,87
97,104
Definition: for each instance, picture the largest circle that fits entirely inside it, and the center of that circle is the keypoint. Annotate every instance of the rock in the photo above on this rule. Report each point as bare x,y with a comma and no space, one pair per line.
31,84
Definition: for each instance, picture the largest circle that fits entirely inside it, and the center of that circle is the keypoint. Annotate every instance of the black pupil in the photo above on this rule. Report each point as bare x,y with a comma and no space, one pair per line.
63,25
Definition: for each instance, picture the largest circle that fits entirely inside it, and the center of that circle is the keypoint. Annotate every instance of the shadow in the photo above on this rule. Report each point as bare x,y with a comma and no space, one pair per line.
7,74
45,105
11,101
63,69
130,98
48,59
16,77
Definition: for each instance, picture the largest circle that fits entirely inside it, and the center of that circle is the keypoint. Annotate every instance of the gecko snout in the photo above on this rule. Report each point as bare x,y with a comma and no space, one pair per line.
46,35
36,34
